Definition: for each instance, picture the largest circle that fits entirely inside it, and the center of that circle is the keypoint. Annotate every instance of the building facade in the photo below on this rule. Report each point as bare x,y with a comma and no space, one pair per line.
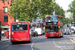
4,7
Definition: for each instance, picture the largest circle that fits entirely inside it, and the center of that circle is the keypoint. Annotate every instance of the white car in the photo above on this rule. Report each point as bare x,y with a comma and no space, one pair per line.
39,31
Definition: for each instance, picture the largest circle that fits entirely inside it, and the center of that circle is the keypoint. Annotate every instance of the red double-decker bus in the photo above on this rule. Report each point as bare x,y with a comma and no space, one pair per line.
53,28
20,31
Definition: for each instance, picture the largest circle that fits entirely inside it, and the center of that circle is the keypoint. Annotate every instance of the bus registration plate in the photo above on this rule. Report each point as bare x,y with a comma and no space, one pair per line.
51,36
19,40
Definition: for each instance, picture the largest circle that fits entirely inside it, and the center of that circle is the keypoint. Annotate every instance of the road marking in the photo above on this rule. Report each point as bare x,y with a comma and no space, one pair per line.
72,41
33,42
64,42
4,46
57,45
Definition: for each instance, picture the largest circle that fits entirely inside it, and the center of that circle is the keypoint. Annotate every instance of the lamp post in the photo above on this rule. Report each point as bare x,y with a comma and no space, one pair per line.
17,12
54,9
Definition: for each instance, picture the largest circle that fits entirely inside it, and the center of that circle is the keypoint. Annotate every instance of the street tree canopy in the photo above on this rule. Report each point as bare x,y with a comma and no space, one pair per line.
30,9
72,9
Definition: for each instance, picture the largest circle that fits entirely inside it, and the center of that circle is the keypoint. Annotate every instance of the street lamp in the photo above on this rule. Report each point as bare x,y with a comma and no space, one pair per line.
17,12
54,9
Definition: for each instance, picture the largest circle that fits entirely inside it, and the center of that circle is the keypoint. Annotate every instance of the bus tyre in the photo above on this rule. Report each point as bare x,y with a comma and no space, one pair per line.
47,37
29,41
13,42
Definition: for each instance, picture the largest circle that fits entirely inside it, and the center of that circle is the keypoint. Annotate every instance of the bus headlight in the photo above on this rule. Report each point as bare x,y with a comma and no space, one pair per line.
57,33
12,38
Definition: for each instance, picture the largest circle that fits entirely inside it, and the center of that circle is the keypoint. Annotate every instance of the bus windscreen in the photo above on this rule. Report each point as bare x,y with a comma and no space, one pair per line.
52,29
19,27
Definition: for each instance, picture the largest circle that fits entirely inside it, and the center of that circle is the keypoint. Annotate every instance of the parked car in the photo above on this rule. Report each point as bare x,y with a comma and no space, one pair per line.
66,31
34,33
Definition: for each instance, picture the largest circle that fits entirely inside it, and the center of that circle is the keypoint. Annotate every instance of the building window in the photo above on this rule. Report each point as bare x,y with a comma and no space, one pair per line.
5,18
5,9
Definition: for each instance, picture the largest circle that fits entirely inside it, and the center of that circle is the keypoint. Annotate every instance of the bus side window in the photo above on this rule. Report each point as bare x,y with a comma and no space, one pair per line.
24,27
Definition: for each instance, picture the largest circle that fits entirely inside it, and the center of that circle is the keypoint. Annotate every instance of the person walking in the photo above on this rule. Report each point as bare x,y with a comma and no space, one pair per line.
2,33
70,33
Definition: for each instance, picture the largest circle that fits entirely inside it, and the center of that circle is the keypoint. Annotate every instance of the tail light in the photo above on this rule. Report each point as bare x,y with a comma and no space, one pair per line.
57,33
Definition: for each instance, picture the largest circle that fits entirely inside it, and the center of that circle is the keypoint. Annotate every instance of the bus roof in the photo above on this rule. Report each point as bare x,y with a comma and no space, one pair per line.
53,15
21,21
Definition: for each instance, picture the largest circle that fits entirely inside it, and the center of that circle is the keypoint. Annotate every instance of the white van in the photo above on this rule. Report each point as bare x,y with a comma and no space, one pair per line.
39,31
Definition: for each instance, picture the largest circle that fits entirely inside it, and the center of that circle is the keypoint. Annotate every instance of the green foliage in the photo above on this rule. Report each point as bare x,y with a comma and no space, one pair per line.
3,1
72,9
65,20
28,9
59,10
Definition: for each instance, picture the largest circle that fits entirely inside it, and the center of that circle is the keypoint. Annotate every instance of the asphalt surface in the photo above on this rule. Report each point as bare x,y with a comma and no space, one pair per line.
41,43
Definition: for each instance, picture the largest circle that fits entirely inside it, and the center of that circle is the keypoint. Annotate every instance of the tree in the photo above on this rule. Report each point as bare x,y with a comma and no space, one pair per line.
72,9
46,7
28,9
59,10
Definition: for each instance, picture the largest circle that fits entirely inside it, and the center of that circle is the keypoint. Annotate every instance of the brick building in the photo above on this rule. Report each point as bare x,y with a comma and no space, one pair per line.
4,7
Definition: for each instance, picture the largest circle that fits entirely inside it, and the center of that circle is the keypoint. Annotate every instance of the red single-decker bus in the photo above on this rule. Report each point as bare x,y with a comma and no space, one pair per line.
20,31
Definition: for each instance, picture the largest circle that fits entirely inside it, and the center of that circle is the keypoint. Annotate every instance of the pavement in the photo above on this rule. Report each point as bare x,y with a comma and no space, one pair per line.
70,36
4,39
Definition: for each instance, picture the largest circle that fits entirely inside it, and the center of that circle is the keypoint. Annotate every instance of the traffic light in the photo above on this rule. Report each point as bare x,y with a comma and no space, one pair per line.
0,30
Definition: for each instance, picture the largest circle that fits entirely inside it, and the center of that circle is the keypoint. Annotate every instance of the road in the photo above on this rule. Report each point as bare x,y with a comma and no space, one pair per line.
41,43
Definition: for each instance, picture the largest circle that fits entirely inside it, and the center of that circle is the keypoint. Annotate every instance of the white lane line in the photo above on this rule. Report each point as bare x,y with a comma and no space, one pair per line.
72,41
57,45
33,43
4,46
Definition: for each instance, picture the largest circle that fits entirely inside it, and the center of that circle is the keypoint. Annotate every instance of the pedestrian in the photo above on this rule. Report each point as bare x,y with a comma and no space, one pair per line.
70,32
2,33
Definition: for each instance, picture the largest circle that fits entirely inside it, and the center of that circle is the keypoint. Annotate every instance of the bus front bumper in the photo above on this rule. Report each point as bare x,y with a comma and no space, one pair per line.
26,39
51,35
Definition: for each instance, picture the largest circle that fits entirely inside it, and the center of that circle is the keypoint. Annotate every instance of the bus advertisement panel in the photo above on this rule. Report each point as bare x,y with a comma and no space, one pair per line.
20,31
53,28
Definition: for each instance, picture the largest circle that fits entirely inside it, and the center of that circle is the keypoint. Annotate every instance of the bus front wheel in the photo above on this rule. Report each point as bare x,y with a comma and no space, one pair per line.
13,42
47,37
29,41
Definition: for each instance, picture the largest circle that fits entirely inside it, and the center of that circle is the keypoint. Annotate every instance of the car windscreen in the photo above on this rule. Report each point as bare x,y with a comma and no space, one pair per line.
19,27
52,29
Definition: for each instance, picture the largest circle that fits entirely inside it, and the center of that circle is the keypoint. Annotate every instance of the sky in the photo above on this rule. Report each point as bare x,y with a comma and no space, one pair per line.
64,3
